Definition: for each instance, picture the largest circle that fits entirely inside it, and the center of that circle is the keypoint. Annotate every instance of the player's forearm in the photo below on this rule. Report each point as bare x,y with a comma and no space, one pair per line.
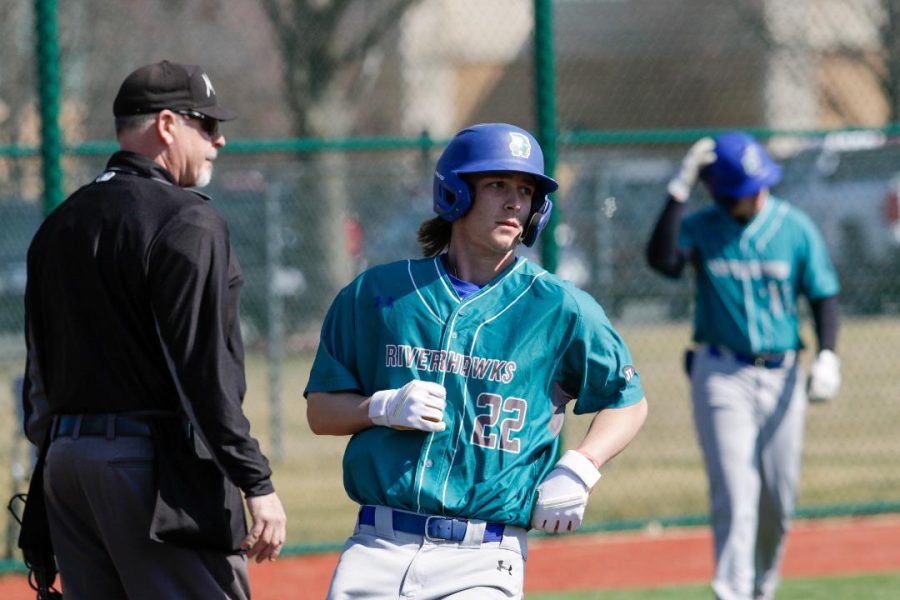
662,249
612,430
341,413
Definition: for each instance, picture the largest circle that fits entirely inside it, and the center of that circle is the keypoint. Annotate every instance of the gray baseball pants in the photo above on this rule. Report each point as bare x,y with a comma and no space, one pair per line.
100,496
750,422
379,563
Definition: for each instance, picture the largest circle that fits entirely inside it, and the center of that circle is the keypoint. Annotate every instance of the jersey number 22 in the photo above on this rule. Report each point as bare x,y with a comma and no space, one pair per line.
487,433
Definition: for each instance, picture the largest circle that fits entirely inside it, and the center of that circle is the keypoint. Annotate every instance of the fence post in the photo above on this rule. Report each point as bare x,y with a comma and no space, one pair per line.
545,105
48,92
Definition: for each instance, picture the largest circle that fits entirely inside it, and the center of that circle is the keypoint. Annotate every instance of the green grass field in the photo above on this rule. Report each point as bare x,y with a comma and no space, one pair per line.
868,587
850,459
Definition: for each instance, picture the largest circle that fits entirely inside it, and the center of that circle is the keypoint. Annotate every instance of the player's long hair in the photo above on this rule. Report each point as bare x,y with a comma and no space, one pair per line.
434,236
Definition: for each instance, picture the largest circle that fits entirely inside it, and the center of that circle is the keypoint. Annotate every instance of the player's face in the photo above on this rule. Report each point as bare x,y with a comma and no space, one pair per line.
746,208
496,221
196,147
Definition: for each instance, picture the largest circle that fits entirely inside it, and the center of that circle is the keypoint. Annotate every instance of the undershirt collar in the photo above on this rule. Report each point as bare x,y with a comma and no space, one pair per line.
463,288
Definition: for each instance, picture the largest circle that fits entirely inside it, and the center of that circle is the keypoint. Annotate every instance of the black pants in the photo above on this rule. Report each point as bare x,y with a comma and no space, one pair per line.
100,496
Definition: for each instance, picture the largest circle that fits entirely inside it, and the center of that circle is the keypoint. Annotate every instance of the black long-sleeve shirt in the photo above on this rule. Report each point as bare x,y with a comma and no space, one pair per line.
128,251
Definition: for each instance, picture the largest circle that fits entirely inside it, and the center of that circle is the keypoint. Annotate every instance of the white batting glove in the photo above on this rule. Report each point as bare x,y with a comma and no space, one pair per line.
701,154
824,377
417,405
563,495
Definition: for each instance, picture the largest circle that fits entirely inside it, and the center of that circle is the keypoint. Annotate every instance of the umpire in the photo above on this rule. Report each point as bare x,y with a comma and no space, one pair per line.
132,326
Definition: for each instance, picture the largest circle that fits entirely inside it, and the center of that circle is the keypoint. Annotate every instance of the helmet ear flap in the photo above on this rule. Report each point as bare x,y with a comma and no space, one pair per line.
452,196
537,222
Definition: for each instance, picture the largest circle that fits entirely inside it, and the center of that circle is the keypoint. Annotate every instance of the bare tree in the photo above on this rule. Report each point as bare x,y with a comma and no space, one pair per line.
752,14
321,40
324,44
889,74
18,114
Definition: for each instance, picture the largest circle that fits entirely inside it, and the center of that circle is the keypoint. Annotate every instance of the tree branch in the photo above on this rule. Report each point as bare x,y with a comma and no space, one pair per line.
376,32
754,19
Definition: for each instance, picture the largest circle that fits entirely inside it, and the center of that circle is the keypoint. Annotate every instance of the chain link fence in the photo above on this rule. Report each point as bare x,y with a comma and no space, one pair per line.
637,82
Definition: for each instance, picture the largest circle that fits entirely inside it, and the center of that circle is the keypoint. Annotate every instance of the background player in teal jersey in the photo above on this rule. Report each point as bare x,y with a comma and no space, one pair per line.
754,255
452,374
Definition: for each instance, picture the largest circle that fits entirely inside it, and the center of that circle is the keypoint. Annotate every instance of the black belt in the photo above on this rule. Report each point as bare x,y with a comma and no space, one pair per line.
432,527
769,360
107,425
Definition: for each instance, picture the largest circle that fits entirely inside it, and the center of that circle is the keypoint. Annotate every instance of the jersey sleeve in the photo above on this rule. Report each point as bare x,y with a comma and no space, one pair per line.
817,277
333,369
596,367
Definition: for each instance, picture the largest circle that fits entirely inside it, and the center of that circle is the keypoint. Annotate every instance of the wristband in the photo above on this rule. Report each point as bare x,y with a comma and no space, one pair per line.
590,458
378,406
581,466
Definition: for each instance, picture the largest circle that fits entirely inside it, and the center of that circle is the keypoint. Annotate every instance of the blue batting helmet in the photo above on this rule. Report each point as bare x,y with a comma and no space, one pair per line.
484,148
742,167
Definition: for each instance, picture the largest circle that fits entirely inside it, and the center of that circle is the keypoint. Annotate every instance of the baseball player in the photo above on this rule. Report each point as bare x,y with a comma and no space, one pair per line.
452,373
754,255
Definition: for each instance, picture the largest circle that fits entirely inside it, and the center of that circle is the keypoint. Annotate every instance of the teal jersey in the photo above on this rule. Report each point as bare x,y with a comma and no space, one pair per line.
749,277
511,356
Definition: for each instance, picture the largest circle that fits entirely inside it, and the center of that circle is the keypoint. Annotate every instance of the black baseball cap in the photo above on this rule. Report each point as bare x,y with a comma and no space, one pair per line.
168,85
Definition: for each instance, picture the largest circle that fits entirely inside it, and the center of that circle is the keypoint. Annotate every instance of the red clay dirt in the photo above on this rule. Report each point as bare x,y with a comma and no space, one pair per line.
615,561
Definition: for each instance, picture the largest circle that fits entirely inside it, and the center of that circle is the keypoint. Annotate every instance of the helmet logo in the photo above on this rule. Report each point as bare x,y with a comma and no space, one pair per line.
519,144
752,161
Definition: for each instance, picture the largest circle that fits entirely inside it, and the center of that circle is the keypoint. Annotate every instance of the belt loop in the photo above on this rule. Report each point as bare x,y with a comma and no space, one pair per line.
384,522
110,427
76,430
474,534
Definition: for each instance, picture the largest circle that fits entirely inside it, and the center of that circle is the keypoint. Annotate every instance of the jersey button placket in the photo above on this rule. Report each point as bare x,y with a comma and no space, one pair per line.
455,383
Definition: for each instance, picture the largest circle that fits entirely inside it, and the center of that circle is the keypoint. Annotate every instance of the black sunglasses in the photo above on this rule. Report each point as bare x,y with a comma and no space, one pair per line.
209,125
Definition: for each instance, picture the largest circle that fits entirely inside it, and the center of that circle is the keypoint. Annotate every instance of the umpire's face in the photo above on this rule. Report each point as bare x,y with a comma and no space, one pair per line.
496,221
196,140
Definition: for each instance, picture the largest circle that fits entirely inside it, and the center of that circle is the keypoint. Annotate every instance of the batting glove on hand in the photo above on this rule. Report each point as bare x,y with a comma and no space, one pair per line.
417,405
701,154
563,495
824,377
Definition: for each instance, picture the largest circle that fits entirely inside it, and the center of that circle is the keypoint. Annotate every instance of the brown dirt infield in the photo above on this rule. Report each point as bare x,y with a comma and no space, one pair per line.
615,561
